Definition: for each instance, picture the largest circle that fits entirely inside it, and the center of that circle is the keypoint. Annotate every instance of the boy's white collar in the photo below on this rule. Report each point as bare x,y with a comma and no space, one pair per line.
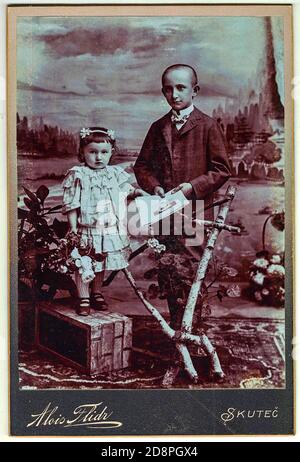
185,112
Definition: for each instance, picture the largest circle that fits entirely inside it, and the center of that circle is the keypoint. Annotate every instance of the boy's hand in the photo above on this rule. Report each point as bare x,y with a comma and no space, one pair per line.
159,191
185,188
139,192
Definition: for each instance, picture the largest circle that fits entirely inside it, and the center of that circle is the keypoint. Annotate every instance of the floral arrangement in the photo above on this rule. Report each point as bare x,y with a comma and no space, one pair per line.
71,255
267,271
47,253
267,279
175,271
155,245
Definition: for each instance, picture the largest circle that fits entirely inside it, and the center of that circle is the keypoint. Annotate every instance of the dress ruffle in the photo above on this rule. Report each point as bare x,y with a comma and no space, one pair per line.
103,241
73,175
72,185
100,197
116,248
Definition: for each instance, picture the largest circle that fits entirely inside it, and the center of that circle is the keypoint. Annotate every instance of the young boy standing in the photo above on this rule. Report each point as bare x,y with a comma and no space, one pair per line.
185,148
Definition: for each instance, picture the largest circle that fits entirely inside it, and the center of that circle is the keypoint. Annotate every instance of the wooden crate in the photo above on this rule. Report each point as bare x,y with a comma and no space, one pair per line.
95,344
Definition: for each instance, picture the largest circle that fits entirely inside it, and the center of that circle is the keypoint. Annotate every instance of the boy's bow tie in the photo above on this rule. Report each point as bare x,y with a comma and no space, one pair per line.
178,119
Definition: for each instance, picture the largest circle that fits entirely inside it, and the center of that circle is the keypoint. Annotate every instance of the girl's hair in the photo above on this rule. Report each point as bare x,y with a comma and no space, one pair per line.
94,135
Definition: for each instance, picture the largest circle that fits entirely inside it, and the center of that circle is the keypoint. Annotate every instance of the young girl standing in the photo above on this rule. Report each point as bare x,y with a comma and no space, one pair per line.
94,201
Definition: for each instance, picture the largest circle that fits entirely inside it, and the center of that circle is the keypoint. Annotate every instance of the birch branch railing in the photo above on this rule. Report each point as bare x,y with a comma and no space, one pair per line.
185,336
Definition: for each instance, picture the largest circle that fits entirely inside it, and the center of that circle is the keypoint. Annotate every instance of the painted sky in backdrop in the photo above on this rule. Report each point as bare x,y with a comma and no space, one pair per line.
85,71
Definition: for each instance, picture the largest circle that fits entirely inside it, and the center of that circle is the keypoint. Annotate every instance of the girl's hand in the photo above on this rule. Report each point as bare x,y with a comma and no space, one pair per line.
71,232
73,220
136,193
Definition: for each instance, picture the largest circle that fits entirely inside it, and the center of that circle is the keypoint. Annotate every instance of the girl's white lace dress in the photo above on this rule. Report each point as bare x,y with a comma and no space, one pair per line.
100,197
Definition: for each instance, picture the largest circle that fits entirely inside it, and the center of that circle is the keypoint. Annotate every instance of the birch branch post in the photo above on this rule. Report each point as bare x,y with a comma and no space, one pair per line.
187,320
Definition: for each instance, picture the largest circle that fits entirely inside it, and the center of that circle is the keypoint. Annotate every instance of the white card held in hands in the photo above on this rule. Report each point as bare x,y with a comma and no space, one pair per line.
154,208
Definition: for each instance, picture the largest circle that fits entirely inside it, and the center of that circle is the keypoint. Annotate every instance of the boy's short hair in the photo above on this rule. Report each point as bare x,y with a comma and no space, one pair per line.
183,66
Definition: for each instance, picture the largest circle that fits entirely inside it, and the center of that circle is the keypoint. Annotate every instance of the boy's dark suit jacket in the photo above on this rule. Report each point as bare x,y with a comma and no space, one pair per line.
198,157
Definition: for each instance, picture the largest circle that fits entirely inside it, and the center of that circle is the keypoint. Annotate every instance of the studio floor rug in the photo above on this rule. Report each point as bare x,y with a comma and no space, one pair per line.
251,352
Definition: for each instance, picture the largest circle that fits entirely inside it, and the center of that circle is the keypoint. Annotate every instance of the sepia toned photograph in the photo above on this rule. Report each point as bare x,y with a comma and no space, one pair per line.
151,159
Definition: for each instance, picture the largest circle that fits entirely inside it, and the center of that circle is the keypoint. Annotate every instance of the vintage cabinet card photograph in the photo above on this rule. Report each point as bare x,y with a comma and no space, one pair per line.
150,170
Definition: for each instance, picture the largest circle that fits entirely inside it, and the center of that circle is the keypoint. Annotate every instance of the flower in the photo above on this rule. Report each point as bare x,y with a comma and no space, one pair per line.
229,271
87,276
85,132
275,259
161,248
234,291
78,262
276,271
258,278
67,259
267,273
261,263
75,254
152,243
86,261
111,134
156,246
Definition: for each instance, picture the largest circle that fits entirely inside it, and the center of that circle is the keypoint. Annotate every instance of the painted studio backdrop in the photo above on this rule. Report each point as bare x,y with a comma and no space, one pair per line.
75,72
